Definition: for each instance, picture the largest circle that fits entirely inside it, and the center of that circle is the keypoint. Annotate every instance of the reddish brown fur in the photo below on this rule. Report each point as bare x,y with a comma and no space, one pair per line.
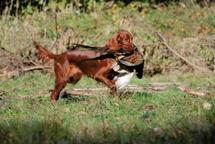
121,40
72,64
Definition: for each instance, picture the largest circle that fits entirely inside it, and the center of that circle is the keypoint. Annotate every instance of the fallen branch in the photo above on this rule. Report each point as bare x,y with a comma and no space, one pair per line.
191,92
154,87
150,88
17,72
164,41
56,29
26,69
104,90
56,41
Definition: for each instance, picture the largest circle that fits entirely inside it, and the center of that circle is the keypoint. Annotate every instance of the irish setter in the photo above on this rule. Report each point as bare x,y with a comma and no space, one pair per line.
122,40
119,42
70,65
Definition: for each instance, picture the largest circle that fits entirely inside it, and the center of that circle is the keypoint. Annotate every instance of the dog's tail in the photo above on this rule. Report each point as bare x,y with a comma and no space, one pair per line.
43,53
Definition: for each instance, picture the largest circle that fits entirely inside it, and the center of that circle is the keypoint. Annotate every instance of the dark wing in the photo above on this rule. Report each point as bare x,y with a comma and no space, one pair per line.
103,51
81,46
102,56
139,70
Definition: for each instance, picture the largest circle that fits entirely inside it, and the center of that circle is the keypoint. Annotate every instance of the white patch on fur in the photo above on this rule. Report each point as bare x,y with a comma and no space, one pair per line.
123,80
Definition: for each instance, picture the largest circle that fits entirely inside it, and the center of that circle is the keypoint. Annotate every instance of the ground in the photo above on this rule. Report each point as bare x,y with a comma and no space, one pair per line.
27,116
167,116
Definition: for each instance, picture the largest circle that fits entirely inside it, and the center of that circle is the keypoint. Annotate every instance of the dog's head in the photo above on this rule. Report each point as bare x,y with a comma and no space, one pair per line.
121,40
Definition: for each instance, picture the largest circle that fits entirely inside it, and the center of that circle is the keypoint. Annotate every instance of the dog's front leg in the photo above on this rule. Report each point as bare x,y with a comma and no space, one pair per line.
56,92
106,81
61,80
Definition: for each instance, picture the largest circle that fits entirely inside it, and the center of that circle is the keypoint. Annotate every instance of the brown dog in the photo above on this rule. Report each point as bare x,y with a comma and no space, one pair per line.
119,42
72,64
99,65
121,46
122,40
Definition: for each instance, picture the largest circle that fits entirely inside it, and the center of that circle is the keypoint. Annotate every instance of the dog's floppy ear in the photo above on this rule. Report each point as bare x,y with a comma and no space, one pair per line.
124,37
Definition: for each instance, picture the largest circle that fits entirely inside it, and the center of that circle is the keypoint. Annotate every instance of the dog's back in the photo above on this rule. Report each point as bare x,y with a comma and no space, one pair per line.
72,64
97,64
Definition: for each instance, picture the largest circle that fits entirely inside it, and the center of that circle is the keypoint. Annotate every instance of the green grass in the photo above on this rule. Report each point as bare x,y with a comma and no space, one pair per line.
170,116
178,24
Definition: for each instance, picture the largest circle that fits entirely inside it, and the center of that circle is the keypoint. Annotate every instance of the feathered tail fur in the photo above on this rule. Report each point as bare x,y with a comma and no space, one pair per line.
43,53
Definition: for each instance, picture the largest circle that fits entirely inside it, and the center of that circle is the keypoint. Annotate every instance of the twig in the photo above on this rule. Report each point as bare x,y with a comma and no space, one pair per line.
164,41
9,53
154,87
17,72
158,88
35,68
6,50
57,32
56,28
103,90
191,92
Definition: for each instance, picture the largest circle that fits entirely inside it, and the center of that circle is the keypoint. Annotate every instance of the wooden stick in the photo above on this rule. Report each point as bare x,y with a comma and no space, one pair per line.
164,41
191,92
17,72
56,28
134,88
26,69
103,90
56,41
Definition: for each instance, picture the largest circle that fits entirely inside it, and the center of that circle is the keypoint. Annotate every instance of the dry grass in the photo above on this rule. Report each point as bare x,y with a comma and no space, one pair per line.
170,116
189,31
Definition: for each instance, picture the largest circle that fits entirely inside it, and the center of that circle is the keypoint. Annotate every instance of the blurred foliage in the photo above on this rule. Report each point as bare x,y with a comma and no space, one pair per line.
190,30
16,7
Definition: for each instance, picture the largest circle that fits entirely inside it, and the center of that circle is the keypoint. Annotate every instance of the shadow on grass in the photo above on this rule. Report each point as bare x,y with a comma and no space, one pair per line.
71,98
38,132
33,132
122,95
